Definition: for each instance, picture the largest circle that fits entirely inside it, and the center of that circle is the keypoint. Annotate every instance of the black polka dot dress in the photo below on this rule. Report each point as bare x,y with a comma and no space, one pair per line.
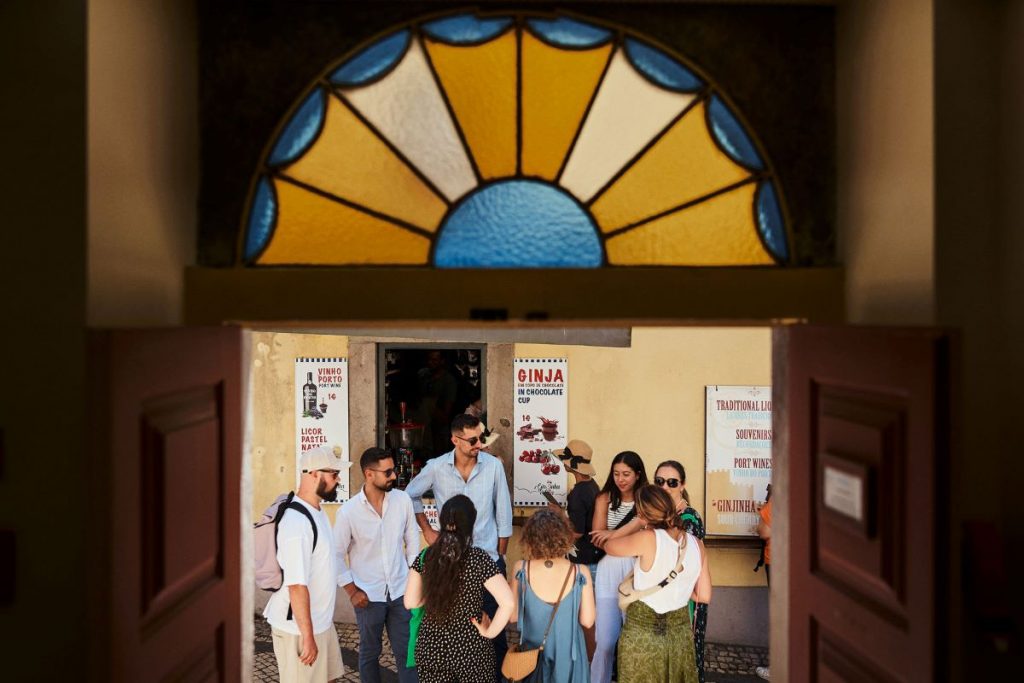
453,650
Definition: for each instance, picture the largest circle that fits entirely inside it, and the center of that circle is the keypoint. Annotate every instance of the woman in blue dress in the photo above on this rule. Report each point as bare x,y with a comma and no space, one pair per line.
548,581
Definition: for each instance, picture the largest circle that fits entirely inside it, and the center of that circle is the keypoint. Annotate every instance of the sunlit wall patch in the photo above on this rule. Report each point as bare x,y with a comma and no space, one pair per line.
514,140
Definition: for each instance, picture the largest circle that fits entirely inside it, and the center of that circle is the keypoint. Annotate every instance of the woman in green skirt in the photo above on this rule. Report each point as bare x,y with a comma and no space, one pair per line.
656,645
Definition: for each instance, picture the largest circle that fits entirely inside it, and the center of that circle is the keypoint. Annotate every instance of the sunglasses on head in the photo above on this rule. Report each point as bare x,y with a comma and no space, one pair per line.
671,483
472,441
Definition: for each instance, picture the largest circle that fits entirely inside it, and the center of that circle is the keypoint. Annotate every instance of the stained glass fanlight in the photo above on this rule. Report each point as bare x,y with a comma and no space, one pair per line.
514,141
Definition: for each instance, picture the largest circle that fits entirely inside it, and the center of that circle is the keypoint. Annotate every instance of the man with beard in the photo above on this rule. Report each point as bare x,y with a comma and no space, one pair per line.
376,539
302,617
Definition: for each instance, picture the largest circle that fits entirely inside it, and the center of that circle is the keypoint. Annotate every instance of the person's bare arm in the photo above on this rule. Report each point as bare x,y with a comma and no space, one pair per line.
298,596
642,545
588,609
514,585
764,530
702,591
497,586
413,590
502,545
428,531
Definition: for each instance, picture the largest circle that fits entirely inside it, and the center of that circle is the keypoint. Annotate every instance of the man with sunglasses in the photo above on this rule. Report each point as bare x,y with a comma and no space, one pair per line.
376,539
301,614
480,476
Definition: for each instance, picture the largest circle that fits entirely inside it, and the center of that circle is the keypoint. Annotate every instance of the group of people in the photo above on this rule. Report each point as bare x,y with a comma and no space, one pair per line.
446,607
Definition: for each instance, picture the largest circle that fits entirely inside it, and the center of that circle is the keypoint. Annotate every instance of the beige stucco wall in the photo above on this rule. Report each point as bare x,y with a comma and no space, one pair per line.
886,159
143,159
649,398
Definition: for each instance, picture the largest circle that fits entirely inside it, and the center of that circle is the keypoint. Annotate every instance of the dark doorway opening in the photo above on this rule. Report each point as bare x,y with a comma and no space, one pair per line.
427,385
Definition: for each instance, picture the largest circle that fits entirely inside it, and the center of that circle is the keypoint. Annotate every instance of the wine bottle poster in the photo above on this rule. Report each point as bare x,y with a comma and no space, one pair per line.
321,412
541,426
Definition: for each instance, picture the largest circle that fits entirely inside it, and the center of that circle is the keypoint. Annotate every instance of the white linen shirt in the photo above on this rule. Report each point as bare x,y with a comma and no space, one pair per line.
306,566
375,551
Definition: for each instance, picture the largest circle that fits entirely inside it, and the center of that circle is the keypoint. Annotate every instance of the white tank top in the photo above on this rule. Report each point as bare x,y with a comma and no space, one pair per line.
677,593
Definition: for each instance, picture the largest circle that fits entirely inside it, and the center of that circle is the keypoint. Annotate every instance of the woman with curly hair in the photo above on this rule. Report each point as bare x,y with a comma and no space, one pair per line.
454,639
547,583
671,477
656,645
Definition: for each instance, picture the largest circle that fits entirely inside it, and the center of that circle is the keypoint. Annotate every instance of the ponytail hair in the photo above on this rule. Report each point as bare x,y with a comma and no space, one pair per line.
445,560
657,508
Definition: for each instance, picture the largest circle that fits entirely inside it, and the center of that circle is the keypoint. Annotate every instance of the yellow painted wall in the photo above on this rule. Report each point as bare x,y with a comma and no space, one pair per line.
649,398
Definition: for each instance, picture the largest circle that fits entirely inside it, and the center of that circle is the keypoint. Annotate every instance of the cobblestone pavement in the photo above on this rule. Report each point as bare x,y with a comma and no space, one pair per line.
725,663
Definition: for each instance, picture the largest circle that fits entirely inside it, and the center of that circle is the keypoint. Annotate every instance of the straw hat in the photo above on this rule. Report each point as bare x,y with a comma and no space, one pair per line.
577,455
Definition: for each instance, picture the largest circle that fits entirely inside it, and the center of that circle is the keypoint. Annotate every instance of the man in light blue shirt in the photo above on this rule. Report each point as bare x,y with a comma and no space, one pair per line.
468,471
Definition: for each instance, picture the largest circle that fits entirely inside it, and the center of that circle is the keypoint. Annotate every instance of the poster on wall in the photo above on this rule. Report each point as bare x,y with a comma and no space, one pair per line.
541,426
738,448
321,412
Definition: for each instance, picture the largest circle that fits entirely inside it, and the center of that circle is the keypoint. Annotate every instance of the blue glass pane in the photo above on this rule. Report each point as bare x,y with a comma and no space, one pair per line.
769,221
300,132
569,33
518,224
373,61
660,68
262,217
730,135
465,29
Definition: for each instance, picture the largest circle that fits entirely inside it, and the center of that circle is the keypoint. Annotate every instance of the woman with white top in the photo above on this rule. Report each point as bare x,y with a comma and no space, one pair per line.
656,643
613,510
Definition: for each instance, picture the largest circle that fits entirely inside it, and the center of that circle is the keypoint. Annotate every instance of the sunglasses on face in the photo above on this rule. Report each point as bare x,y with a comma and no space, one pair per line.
387,473
333,473
671,483
472,441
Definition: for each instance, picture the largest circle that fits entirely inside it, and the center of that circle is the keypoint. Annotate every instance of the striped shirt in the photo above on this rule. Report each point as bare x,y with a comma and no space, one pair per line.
616,516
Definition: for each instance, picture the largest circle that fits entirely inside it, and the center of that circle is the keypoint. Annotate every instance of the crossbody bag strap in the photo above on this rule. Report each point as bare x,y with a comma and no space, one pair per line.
554,610
676,571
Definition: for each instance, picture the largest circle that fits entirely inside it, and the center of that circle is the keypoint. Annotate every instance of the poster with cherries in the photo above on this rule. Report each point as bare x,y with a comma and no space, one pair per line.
541,426
321,412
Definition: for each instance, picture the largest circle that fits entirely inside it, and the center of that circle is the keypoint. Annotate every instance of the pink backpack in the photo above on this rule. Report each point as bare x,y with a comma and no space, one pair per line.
269,575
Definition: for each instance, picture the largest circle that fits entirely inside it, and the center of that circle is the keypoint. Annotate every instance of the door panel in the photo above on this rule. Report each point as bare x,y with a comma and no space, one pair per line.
171,407
868,428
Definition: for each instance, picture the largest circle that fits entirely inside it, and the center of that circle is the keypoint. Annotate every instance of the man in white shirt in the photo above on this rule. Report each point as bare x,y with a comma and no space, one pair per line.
301,612
376,538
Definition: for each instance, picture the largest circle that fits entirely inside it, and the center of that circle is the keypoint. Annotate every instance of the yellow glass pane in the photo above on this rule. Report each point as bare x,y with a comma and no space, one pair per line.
557,86
480,82
717,232
349,161
685,164
316,230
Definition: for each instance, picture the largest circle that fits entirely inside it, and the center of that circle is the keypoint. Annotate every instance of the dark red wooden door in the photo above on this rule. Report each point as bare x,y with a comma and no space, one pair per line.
867,413
169,404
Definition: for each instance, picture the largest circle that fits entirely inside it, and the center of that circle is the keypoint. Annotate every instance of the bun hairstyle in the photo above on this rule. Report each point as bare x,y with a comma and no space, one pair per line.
657,508
445,560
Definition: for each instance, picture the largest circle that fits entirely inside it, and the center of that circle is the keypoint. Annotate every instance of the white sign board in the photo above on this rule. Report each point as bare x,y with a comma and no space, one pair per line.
321,412
541,425
738,448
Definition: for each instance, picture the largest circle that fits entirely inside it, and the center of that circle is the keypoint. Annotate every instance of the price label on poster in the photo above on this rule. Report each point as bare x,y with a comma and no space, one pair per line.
541,423
321,412
738,447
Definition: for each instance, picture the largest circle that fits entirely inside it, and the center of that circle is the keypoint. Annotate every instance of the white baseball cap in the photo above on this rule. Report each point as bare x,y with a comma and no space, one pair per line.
321,459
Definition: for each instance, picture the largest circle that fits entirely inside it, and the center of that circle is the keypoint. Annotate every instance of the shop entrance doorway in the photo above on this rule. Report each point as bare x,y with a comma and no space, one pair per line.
424,386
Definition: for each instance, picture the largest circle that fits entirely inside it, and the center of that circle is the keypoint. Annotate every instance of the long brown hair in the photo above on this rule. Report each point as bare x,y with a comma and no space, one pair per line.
445,560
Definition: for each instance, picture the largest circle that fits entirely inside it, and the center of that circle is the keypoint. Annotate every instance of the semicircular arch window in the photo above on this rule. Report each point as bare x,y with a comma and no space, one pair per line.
514,141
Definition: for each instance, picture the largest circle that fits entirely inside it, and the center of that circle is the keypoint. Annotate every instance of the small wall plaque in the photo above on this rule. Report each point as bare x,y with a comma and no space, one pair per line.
844,493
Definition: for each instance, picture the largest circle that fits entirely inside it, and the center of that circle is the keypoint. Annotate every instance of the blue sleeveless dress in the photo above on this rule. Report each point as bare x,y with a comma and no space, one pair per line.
565,654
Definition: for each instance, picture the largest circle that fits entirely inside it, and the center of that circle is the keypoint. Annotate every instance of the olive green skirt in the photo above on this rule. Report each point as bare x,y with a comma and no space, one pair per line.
656,648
